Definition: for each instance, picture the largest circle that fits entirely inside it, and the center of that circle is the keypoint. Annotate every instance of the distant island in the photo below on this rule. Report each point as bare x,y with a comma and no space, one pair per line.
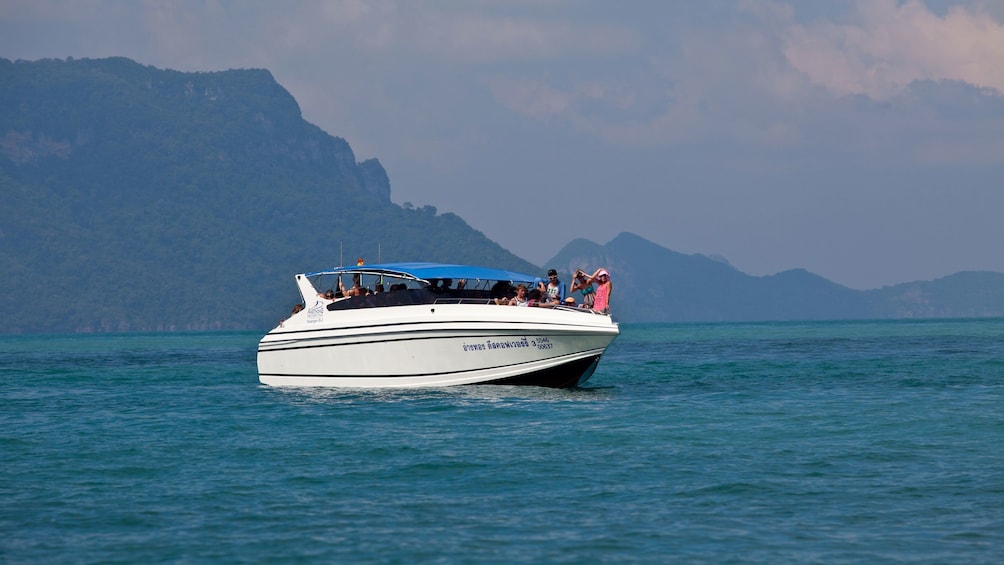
143,199
654,284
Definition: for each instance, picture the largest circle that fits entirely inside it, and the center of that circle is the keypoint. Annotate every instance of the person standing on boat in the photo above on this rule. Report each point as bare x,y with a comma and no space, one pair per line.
581,283
553,293
601,282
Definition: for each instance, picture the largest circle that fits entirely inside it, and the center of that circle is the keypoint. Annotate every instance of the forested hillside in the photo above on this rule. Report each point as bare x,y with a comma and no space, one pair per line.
141,199
136,198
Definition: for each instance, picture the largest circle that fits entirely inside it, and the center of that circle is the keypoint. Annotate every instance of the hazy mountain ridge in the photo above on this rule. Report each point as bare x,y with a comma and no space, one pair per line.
967,294
655,284
140,199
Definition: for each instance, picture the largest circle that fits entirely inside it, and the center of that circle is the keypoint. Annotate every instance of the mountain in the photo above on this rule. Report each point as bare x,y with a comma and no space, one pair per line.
136,198
654,284
142,199
969,294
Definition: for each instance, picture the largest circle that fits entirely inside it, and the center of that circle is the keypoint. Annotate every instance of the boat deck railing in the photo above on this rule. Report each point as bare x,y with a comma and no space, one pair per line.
417,296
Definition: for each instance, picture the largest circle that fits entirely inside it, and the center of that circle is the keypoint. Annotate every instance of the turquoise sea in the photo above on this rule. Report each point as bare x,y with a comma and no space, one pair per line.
835,442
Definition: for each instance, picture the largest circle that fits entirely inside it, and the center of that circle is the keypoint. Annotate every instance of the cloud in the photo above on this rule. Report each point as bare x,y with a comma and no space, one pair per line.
532,98
877,85
690,86
454,32
889,45
481,38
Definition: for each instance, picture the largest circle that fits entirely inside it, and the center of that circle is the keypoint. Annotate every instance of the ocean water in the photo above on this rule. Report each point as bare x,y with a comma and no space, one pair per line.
863,442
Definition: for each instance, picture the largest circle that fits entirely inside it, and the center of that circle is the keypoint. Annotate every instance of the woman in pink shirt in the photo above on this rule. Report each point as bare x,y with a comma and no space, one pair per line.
603,286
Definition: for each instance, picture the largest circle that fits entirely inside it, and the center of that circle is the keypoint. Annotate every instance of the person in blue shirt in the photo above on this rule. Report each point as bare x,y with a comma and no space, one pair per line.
552,293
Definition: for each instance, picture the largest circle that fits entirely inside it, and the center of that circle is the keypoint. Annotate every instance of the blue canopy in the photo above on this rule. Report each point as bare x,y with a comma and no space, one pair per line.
428,271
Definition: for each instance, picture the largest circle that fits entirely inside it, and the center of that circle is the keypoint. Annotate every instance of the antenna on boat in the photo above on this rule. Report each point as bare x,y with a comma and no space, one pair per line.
341,260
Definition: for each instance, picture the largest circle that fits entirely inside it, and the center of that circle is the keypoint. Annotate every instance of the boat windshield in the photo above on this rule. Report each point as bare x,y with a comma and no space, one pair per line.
454,281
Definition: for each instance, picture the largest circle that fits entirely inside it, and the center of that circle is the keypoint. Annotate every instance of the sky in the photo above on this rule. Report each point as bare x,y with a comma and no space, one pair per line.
860,140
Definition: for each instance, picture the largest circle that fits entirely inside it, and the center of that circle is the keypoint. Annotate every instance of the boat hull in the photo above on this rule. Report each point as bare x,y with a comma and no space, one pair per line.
441,345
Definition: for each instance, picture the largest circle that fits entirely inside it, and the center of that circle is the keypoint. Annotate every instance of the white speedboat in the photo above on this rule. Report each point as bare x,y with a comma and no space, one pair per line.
421,332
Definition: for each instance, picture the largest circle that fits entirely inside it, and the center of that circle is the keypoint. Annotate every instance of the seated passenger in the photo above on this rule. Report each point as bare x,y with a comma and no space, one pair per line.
533,296
356,289
521,298
552,293
297,308
500,292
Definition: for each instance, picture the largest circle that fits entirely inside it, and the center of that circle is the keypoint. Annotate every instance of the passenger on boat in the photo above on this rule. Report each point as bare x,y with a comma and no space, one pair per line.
356,290
533,295
520,299
443,286
327,295
601,280
552,293
500,292
297,308
581,283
